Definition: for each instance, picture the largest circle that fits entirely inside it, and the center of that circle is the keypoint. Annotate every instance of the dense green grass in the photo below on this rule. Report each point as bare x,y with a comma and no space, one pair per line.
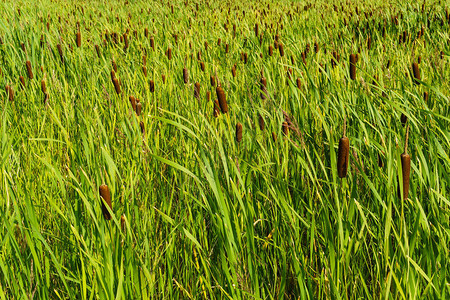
205,216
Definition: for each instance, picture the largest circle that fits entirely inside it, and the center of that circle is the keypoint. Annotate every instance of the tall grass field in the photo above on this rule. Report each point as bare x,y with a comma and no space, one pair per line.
224,149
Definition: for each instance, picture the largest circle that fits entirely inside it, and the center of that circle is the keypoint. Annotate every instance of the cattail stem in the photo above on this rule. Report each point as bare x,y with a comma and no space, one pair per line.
406,139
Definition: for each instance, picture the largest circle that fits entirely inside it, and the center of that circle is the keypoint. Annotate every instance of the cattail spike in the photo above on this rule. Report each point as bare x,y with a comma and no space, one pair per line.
106,195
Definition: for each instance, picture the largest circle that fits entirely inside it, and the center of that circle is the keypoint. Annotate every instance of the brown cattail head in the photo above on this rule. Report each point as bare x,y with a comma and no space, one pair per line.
106,195
285,128
416,72
202,66
261,122
222,99
146,32
212,79
152,86
43,87
122,222
406,169
343,154
78,37
163,77
289,73
197,90
169,53
216,108
274,137
233,70
141,124
270,50
380,160
185,75
352,66
299,83
316,47
425,96
144,70
403,119
22,81
281,49
238,132
29,70
138,108
125,40
133,102
116,85
263,85
152,43
60,52
208,96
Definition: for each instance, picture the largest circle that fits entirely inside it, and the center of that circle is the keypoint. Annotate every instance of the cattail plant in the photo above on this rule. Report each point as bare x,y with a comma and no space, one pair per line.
285,128
106,200
163,77
270,50
281,49
261,122
406,168
208,96
114,65
202,66
197,90
144,70
29,70
316,47
185,75
289,74
212,79
125,40
133,102
274,137
263,85
152,85
299,83
60,52
141,124
138,107
152,43
352,66
22,81
222,99
122,223
403,119
43,87
416,73
78,38
233,70
116,84
169,53
343,154
425,96
238,132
